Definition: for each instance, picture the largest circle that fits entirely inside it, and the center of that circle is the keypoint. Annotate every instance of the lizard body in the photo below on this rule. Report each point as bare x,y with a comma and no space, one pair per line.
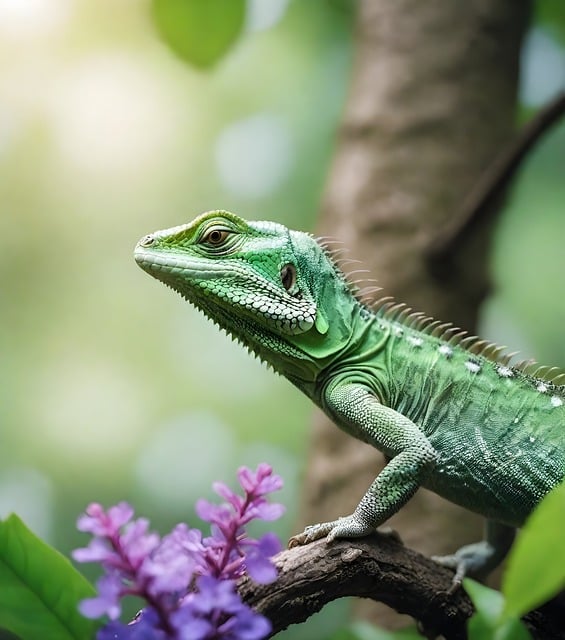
447,411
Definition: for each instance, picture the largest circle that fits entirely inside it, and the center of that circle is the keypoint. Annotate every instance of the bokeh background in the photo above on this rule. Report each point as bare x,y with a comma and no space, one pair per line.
112,387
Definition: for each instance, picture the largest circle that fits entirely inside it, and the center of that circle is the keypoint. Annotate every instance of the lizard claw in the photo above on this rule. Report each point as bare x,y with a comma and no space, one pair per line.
346,527
459,567
474,560
311,532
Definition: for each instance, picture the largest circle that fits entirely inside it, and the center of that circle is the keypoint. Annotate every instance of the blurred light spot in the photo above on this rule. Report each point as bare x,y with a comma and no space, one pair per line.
263,15
543,69
32,18
88,408
29,494
182,459
110,114
254,155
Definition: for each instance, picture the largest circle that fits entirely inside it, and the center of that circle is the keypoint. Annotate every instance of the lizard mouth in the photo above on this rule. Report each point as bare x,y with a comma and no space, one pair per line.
157,264
244,327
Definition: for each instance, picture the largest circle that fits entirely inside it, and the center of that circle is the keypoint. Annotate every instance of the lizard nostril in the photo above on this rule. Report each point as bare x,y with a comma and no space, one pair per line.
147,240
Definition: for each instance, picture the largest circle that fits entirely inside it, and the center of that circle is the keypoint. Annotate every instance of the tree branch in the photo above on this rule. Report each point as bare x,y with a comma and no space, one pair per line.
479,202
376,567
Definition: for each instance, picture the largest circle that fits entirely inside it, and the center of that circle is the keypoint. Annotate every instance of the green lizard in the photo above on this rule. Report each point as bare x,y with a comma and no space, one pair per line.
448,412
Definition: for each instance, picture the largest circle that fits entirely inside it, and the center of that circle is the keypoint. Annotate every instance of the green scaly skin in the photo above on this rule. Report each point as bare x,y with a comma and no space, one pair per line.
448,416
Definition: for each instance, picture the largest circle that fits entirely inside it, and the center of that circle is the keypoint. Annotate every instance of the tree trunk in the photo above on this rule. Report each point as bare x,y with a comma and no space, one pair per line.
432,102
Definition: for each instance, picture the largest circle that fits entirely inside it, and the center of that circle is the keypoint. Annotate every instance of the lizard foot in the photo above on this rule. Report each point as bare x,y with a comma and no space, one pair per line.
473,560
348,527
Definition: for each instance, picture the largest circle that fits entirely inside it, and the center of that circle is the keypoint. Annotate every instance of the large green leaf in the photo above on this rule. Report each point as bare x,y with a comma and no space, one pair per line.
488,621
536,570
199,31
39,588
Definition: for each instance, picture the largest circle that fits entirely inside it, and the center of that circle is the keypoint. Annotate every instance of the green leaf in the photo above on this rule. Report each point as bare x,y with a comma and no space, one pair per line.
365,631
488,602
478,628
489,605
488,622
199,31
536,570
39,588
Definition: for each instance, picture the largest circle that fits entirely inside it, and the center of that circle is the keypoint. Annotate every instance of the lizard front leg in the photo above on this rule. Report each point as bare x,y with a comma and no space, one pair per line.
356,410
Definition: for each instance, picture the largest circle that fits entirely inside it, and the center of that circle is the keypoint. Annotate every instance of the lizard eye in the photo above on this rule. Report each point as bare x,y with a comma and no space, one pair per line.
288,276
215,236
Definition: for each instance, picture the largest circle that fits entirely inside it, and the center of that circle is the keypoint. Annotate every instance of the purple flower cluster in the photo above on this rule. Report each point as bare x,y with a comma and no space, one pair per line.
187,581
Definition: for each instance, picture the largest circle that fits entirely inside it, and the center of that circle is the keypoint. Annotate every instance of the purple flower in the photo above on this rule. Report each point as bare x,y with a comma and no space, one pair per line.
105,523
107,601
136,543
169,569
258,554
98,550
216,611
114,548
188,582
219,514
229,550
260,483
144,627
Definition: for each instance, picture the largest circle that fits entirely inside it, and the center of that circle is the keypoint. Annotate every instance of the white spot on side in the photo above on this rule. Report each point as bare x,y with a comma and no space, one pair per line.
415,341
556,402
398,331
516,420
474,367
504,372
445,350
542,387
532,439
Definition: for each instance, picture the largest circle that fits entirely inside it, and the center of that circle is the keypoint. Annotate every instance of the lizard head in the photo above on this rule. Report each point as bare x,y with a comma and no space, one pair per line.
258,280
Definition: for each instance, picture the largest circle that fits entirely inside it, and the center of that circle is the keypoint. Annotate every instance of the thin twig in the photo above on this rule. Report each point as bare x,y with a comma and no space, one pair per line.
477,206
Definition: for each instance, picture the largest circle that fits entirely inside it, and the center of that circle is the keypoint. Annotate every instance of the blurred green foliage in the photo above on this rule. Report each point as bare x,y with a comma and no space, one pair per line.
551,15
199,32
111,387
533,575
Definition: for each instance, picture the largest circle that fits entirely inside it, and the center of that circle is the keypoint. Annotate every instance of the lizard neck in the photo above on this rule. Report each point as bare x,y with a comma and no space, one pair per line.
348,325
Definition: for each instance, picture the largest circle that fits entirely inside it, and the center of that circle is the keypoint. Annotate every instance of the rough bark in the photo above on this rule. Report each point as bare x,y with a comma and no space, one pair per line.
432,102
379,568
